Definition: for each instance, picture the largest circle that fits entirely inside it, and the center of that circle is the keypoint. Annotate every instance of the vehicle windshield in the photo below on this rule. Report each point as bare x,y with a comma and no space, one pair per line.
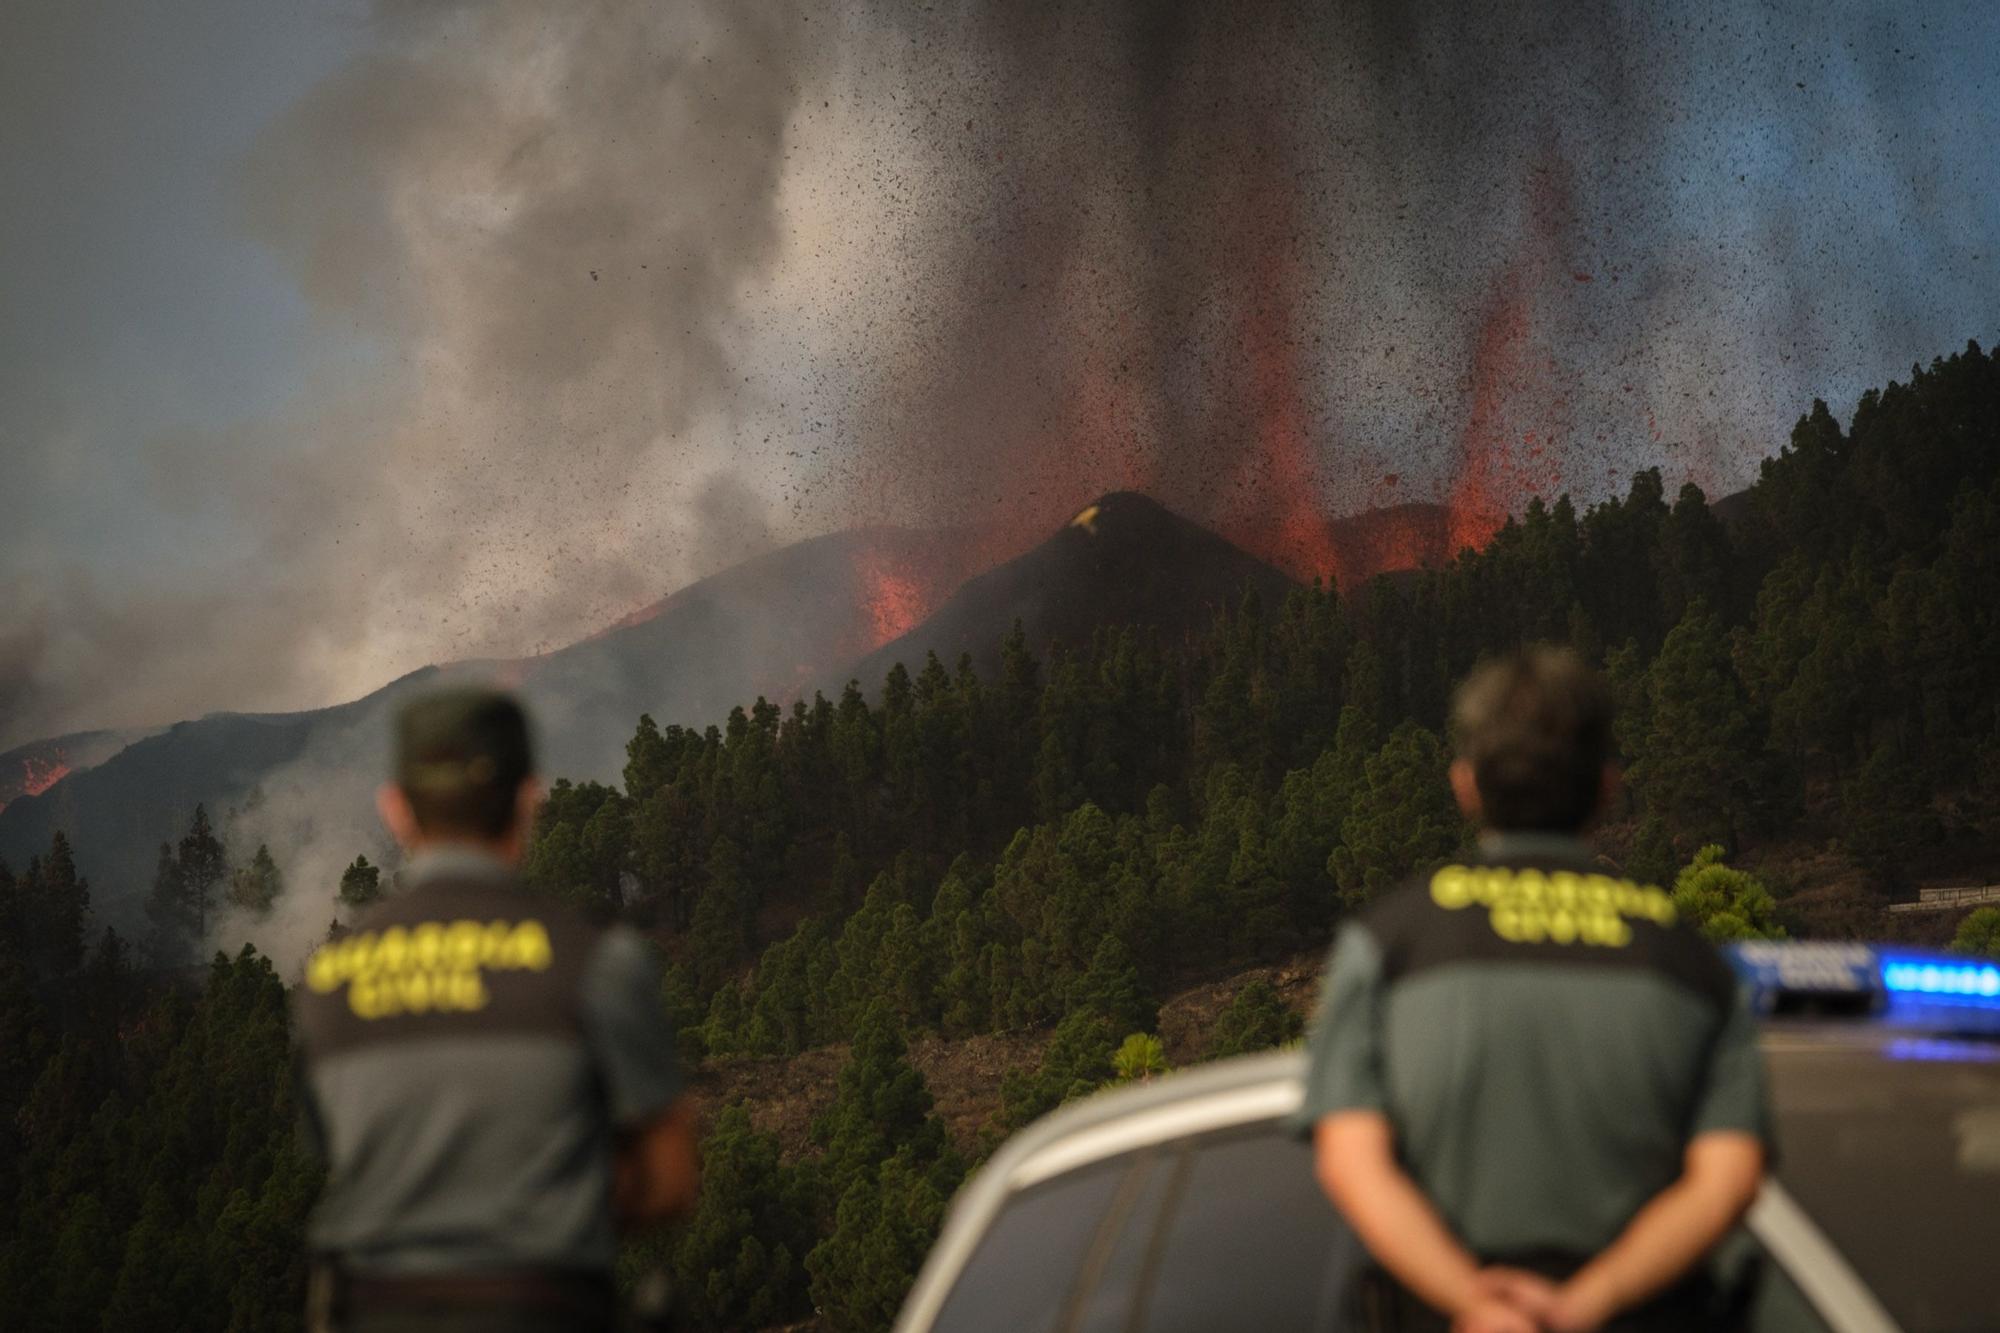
1895,1153
1228,1230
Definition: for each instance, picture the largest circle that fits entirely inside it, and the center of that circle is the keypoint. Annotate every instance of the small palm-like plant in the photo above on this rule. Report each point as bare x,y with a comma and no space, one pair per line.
1139,1059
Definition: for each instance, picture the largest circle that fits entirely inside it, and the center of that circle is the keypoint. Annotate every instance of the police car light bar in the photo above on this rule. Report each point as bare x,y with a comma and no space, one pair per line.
1903,987
1942,979
1786,975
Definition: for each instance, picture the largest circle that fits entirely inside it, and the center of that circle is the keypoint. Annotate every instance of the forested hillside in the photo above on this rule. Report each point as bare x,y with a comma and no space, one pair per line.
1808,690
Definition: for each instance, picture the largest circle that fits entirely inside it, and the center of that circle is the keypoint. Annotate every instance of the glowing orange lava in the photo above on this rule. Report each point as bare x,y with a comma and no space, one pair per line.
38,774
893,595
1295,535
1479,495
1277,511
1519,408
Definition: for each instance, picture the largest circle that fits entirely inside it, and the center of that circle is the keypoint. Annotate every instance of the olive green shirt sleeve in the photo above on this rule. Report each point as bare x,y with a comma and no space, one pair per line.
630,1037
1344,1054
1733,1095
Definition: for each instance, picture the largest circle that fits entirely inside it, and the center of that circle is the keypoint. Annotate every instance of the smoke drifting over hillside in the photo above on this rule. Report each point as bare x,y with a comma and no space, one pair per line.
529,228
626,291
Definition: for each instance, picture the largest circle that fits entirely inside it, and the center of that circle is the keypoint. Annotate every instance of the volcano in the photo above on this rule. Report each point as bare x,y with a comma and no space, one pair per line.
301,781
1124,560
814,614
31,769
771,626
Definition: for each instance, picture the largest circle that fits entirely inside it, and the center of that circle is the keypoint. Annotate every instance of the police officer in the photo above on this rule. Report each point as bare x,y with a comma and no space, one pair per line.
489,1075
1533,1092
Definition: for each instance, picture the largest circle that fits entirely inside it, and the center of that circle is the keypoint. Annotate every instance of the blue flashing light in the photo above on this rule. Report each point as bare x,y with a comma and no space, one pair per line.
1943,980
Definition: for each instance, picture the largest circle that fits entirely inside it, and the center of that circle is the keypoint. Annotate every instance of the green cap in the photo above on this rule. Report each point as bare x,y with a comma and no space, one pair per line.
462,738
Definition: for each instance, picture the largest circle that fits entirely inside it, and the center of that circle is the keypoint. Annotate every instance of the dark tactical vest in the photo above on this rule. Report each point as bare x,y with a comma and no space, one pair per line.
1545,1039
448,1072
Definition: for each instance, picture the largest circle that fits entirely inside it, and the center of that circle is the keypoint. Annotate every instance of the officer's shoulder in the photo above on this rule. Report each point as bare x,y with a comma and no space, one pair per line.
1692,958
1401,908
621,951
477,900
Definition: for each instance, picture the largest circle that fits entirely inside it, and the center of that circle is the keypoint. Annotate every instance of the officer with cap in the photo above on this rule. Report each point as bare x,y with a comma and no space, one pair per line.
1533,1092
489,1075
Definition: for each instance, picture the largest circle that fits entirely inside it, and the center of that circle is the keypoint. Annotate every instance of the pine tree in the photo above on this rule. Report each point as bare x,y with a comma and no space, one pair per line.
1692,765
1076,1063
255,887
883,1227
1255,1020
720,932
360,884
57,910
1694,560
1979,933
737,1260
167,912
1111,989
1887,816
649,760
880,1107
1402,819
1725,904
683,1008
204,869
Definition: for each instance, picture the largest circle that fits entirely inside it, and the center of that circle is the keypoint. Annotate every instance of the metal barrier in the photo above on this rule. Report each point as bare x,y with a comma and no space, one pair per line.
1941,900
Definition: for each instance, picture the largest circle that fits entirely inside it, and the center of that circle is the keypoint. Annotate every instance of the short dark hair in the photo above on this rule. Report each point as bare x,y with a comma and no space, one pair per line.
1536,727
462,754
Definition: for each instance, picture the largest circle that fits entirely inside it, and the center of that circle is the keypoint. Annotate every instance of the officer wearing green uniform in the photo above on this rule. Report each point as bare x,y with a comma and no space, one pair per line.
488,1074
1535,1094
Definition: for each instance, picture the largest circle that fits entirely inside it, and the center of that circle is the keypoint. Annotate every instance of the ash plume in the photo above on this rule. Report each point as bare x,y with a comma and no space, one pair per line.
1275,259
625,291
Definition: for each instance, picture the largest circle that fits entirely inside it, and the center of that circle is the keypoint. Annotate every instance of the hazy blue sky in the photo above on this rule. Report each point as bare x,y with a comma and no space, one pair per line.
135,304
339,338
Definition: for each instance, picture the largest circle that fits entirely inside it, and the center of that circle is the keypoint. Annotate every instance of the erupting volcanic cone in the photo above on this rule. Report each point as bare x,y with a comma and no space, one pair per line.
1124,560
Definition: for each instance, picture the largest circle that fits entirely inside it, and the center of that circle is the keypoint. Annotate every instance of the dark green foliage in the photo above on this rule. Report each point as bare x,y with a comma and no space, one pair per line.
583,846
1255,1020
165,910
187,890
1886,814
154,1167
1111,988
50,907
787,1010
1727,904
1979,933
720,931
1652,859
738,1262
1401,817
882,1229
1076,1063
881,1105
888,1169
1693,765
360,884
204,868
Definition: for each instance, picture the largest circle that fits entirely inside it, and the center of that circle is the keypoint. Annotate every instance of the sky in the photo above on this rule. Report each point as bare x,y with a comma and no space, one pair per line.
338,338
